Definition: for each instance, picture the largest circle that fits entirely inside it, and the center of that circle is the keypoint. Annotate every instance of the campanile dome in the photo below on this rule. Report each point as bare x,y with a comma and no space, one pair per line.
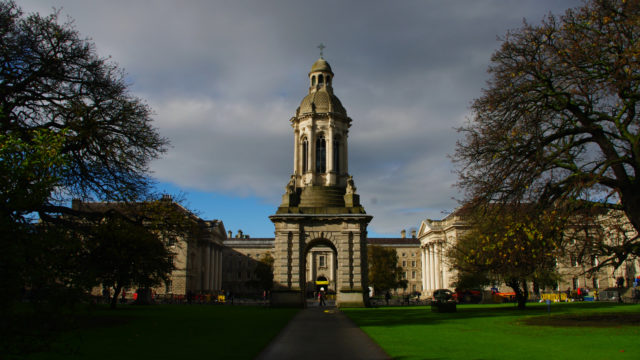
321,98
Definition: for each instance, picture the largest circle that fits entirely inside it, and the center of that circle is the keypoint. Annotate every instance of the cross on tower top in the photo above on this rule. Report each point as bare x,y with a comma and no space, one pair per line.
321,47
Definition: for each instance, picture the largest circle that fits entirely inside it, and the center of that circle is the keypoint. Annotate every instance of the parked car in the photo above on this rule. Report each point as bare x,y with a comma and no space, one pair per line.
442,295
467,296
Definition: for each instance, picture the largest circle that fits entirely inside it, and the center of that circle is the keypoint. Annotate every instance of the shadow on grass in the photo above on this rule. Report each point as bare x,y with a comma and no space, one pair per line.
92,333
422,315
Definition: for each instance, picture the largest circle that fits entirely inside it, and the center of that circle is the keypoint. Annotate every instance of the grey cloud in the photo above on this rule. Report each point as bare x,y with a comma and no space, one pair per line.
224,77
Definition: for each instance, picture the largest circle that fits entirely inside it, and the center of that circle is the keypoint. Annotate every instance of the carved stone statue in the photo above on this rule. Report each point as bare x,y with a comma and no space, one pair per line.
291,185
351,188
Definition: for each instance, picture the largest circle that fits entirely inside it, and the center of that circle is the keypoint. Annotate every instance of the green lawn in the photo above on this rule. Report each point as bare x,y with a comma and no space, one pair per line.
572,331
164,331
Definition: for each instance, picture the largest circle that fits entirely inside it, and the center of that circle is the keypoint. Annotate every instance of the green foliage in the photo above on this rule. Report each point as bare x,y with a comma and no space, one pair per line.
69,128
52,79
510,245
123,253
558,122
384,272
264,272
31,166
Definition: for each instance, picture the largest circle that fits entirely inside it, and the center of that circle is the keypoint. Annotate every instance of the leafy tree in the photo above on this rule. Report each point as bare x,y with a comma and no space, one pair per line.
123,253
31,167
69,129
132,243
558,123
384,272
264,272
52,79
517,247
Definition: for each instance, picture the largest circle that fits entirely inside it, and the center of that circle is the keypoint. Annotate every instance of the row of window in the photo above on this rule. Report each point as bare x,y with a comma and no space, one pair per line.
321,155
404,263
413,275
576,283
575,261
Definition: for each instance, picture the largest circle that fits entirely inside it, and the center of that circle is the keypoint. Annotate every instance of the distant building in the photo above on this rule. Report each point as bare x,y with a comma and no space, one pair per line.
197,259
436,236
242,252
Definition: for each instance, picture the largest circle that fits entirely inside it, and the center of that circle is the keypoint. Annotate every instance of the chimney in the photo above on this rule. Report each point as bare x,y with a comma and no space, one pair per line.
166,197
75,204
403,233
229,234
413,233
239,234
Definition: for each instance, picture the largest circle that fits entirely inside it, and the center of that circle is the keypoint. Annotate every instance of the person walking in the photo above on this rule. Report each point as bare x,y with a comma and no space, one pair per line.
321,302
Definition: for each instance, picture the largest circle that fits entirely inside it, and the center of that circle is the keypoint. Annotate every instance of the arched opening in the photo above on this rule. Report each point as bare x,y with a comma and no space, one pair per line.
305,155
320,79
328,80
321,154
320,264
313,80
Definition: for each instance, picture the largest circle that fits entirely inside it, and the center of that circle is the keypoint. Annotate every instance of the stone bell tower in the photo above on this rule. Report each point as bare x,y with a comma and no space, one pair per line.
320,207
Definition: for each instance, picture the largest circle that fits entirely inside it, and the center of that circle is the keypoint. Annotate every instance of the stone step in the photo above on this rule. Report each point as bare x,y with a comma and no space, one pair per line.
322,196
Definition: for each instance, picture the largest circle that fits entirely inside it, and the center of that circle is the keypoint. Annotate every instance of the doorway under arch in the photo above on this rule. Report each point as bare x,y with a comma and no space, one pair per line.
320,264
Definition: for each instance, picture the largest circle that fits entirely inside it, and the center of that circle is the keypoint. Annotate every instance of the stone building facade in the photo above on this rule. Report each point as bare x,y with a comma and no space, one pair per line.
409,259
197,257
435,236
241,255
242,252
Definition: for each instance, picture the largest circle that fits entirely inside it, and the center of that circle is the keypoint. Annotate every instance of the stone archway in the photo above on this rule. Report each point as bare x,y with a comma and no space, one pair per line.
320,258
296,234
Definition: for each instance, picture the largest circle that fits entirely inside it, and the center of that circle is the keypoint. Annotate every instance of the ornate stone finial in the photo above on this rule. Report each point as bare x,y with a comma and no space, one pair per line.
321,47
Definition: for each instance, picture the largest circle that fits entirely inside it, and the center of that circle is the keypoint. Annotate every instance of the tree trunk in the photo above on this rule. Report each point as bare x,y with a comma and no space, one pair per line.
114,299
522,293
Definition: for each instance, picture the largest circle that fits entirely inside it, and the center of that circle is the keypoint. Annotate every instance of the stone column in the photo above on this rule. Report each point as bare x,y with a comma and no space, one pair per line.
297,276
312,267
359,245
423,276
345,157
214,268
433,266
207,267
219,287
312,151
427,274
438,251
296,152
344,261
329,141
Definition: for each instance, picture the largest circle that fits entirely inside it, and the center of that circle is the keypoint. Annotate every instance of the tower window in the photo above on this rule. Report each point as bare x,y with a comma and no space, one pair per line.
320,79
313,80
305,155
321,154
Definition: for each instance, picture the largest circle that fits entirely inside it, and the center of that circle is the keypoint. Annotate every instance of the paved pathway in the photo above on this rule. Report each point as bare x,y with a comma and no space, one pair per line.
322,333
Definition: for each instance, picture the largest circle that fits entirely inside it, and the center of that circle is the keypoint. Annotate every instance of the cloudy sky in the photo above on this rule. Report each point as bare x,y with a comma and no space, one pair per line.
225,77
